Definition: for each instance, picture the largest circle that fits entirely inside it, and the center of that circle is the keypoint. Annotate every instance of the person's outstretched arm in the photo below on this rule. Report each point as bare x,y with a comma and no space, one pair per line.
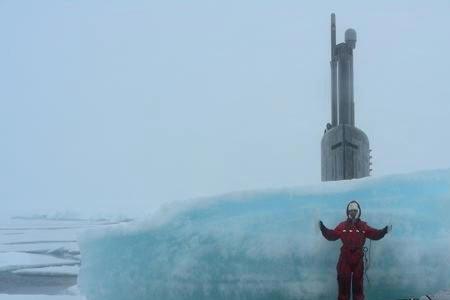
375,234
330,234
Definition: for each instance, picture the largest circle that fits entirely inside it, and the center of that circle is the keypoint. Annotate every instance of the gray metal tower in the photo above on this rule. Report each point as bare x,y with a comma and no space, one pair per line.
345,148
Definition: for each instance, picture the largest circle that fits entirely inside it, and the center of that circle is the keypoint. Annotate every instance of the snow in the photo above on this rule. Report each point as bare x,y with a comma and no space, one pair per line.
39,256
40,297
266,244
11,261
442,295
50,271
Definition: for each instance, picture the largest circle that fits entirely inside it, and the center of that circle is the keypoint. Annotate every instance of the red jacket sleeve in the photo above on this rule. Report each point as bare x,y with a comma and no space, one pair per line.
331,234
375,234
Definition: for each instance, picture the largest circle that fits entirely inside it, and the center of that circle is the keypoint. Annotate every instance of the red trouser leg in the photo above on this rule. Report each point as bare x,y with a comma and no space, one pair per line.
358,280
344,280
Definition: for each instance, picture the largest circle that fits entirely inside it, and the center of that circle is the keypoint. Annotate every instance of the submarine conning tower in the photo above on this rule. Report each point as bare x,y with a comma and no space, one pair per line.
345,152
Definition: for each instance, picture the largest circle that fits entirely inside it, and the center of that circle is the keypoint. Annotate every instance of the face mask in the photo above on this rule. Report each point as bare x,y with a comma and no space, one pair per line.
353,206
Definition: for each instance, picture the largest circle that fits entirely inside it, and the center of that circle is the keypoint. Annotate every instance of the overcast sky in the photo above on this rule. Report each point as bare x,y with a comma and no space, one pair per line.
124,105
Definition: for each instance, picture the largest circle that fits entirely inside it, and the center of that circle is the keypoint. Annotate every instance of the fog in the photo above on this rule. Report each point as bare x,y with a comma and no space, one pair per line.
118,107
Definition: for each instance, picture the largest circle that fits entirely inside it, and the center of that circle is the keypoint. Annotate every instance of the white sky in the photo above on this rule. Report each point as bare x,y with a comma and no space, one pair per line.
124,105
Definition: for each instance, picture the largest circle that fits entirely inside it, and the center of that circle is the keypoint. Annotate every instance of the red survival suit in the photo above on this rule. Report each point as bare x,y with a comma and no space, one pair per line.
353,234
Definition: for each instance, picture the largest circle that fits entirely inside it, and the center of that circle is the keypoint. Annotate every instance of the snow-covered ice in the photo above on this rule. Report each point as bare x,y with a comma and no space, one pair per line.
39,256
266,244
11,261
51,270
442,295
41,297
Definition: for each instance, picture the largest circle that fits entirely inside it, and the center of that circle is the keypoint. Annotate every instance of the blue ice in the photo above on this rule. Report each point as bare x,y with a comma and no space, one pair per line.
266,244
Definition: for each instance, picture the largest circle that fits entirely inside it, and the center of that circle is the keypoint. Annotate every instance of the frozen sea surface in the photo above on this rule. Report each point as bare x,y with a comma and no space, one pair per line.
40,257
266,244
40,297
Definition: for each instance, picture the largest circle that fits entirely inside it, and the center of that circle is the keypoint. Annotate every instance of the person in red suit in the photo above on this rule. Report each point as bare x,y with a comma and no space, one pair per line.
353,233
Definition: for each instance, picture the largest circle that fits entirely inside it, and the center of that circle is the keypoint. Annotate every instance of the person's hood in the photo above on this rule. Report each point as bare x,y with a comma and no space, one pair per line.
359,209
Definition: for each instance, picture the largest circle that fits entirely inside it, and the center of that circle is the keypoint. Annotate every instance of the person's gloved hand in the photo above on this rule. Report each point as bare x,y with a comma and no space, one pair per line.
321,226
388,228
